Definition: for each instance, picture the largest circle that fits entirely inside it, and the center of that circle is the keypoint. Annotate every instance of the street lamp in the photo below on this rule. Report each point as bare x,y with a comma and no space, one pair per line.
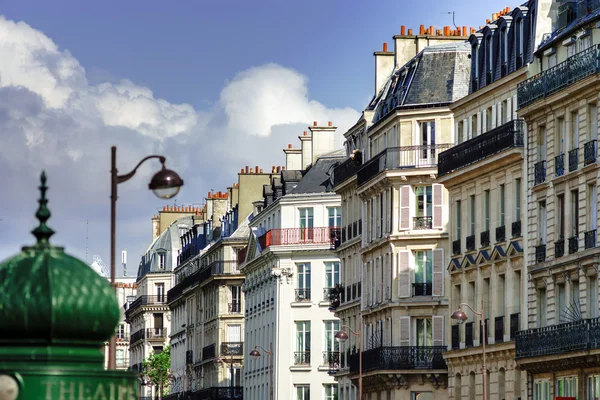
255,354
165,184
342,337
461,317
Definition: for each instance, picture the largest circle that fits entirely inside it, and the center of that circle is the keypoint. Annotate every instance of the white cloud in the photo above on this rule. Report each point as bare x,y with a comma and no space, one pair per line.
52,118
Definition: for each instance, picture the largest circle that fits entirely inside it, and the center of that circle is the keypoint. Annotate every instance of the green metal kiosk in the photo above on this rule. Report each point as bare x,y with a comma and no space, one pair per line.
56,313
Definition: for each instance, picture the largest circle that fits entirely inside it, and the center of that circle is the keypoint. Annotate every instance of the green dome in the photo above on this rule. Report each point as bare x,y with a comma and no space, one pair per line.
49,297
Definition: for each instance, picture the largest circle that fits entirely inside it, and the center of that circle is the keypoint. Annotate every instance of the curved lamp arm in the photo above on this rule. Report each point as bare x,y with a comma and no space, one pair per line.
350,329
129,175
470,308
263,349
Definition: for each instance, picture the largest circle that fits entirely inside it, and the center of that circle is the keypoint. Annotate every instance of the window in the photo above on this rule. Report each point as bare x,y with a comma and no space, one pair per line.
302,356
552,60
504,51
574,137
421,396
518,199
427,139
162,260
561,302
488,119
541,389
592,206
542,221
486,209
306,218
332,274
575,212
121,331
519,42
458,218
331,392
584,42
236,299
160,292
593,122
473,213
501,208
302,392
560,136
592,296
424,329
566,386
331,328
237,377
424,201
335,216
541,307
560,216
424,269
541,144
303,273
490,57
120,358
158,322
234,333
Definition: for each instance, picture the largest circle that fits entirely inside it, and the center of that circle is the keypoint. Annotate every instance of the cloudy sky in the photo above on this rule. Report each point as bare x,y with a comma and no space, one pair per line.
212,85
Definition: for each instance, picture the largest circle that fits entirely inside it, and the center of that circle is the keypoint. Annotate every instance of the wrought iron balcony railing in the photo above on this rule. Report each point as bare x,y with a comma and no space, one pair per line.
558,339
302,358
337,237
232,348
559,248
422,223
302,295
456,247
590,152
539,172
516,229
573,244
590,239
421,289
156,333
573,159
499,329
345,170
480,147
540,253
514,325
334,296
219,267
559,165
209,351
500,234
455,337
219,393
295,236
144,300
400,358
235,307
400,158
137,336
485,238
332,359
552,80
470,243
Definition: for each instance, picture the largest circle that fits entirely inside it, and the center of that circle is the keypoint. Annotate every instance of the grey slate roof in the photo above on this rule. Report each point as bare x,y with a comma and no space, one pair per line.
318,178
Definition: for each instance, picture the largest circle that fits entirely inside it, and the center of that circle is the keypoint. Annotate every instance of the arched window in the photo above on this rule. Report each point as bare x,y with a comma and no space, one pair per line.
457,387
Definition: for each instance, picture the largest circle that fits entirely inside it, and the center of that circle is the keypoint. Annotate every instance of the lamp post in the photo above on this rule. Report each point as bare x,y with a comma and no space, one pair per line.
461,317
342,337
165,184
255,354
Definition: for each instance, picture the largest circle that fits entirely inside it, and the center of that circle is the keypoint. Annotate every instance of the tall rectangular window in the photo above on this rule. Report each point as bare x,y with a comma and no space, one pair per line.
518,199
574,134
566,386
332,274
427,139
541,389
160,292
560,136
560,216
331,391
541,143
458,218
592,207
306,217
423,267
593,122
423,196
575,212
592,296
331,328
561,303
303,273
162,260
541,307
486,209
302,392
593,386
542,221
501,202
335,216
424,328
473,213
302,356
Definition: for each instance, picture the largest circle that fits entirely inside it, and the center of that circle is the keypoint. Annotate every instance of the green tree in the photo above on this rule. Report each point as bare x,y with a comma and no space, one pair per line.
156,368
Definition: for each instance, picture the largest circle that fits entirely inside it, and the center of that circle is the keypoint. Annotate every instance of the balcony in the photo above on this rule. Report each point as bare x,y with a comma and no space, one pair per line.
156,333
516,229
332,359
514,325
220,267
209,352
558,339
500,234
137,336
394,158
189,357
456,247
219,393
455,337
499,329
573,244
337,237
400,358
420,223
569,72
506,136
559,165
484,237
590,152
573,159
471,243
296,236
539,173
302,358
559,248
232,349
345,170
421,289
145,300
469,334
334,296
302,295
590,239
235,307
540,253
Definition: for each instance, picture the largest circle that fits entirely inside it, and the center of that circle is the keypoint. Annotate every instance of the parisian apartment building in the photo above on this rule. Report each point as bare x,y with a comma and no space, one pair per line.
290,268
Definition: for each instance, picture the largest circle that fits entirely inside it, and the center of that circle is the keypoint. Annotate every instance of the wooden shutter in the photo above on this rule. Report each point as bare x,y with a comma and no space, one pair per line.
469,127
514,110
404,201
499,114
509,109
404,331
493,124
438,330
456,138
438,209
483,127
478,125
438,272
404,273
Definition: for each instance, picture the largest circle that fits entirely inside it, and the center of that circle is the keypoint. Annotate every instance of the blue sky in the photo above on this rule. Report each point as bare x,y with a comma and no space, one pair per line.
189,79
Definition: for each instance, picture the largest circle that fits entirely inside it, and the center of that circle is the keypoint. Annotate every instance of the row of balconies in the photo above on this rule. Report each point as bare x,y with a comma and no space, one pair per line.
348,233
148,334
484,238
144,300
497,334
391,358
219,267
590,156
589,242
338,295
259,306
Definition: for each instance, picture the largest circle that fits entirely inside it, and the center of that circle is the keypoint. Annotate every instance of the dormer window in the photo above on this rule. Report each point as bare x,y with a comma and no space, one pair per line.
162,260
475,67
490,59
519,43
503,52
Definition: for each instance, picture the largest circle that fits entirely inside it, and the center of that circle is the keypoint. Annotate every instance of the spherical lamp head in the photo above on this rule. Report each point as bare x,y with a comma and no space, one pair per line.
165,183
255,353
341,336
460,316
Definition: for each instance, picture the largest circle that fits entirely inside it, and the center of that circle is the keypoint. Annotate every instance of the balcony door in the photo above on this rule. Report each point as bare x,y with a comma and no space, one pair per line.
423,332
426,142
423,273
306,223
302,355
424,211
158,323
303,273
160,292
331,345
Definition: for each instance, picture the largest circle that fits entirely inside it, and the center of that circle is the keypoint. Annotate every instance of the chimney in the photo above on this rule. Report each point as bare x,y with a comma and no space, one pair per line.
322,140
306,150
410,32
403,30
293,158
384,67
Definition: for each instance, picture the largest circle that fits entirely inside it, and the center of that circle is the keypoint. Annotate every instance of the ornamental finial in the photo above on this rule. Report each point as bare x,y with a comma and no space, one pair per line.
43,232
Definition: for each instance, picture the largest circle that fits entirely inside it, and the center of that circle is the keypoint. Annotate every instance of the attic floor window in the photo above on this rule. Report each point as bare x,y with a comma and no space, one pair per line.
162,260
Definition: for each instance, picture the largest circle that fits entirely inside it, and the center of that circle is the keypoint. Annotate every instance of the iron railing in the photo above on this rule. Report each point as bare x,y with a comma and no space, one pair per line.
539,172
219,393
302,358
294,236
332,359
400,158
500,234
516,229
499,329
219,267
144,300
337,237
345,170
232,348
235,307
559,248
422,223
540,253
422,289
400,358
558,339
552,80
480,147
156,333
573,159
573,244
302,295
209,351
334,296
456,247
559,165
136,336
590,152
590,239
470,242
484,238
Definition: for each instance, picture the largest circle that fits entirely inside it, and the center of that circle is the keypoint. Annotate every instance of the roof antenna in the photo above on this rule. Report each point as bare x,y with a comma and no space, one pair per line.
453,23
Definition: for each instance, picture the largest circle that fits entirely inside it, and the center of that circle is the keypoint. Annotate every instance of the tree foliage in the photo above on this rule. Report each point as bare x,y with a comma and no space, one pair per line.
156,367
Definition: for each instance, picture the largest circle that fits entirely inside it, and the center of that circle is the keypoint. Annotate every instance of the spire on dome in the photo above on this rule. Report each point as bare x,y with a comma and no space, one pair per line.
43,232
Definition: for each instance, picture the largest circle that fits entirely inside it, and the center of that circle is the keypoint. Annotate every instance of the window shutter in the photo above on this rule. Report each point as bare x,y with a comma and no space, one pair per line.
478,124
405,207
456,138
509,116
438,272
438,330
470,127
404,331
493,124
385,215
404,273
438,209
483,126
499,114
514,110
